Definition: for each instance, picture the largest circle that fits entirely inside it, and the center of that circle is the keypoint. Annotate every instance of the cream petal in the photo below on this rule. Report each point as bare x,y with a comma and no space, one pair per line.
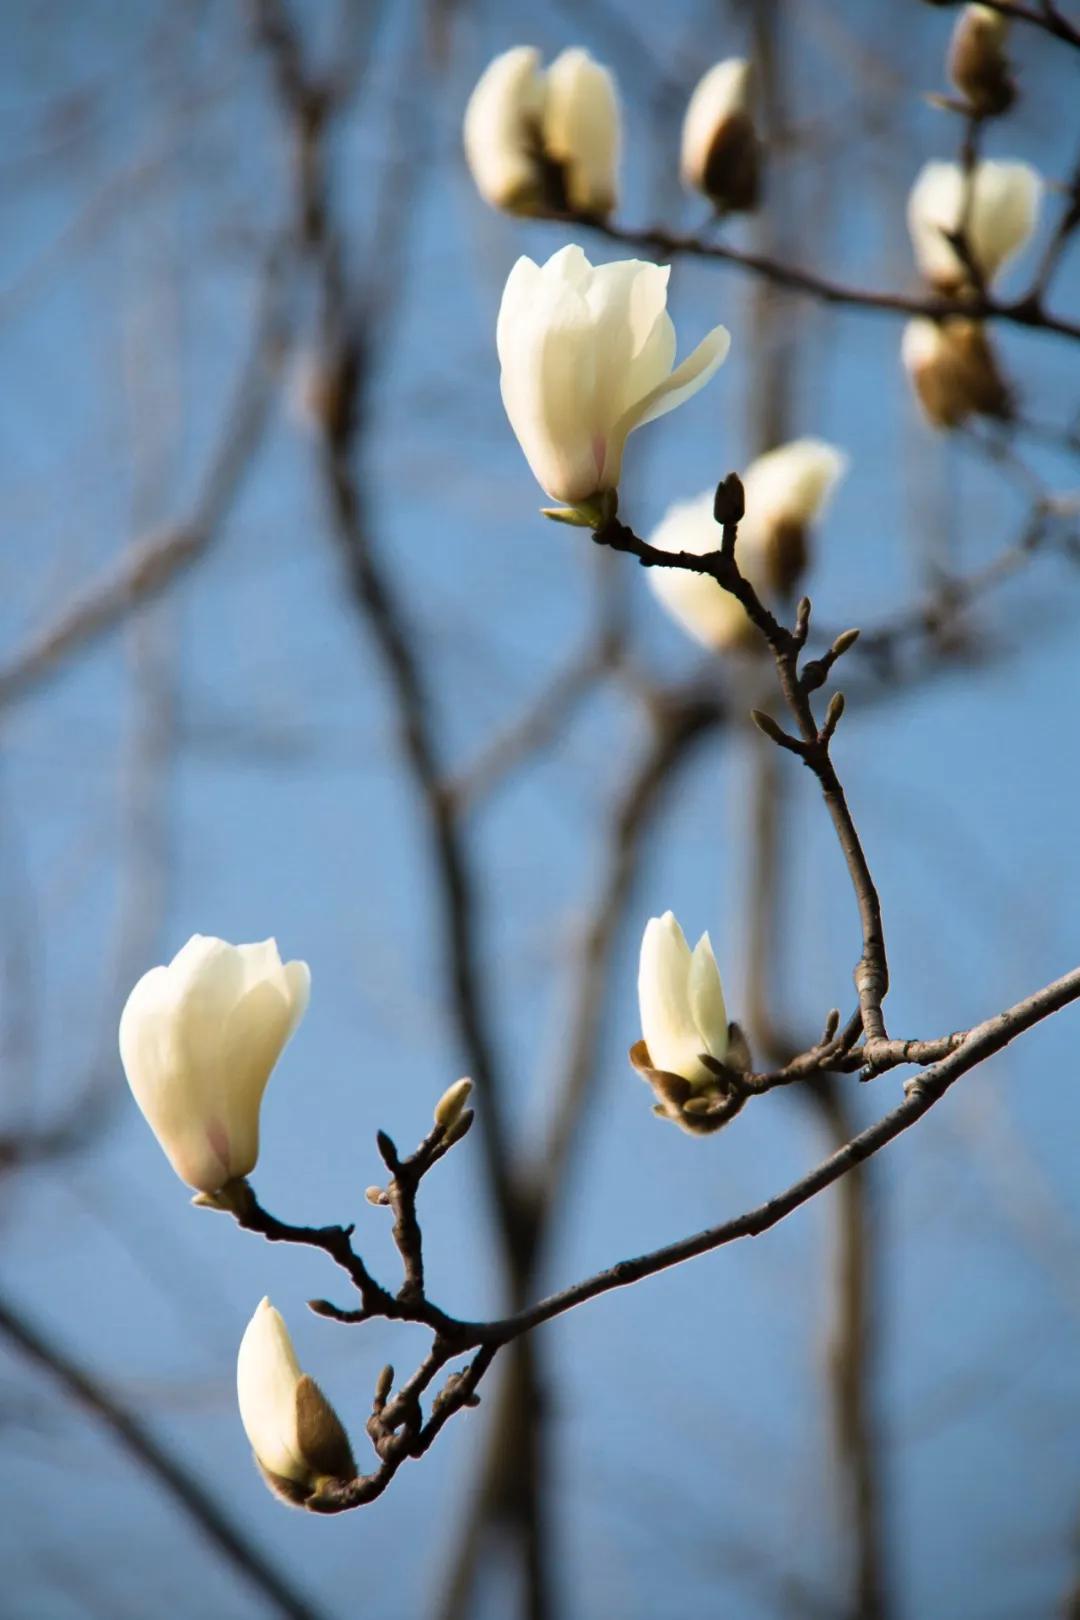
792,482
502,117
581,130
706,997
267,1374
667,1024
548,388
681,385
722,91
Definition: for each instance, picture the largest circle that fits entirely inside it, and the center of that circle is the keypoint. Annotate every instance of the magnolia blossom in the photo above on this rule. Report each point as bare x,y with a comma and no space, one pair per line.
296,1435
785,490
720,150
586,355
683,1016
978,65
1001,216
198,1041
954,371
538,141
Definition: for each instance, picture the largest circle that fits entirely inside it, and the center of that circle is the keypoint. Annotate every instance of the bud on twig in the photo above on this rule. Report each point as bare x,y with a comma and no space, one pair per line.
832,715
844,642
729,503
772,730
978,65
449,1108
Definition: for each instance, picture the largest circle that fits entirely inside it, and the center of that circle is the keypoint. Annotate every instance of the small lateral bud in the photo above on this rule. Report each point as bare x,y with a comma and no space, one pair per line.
451,1104
832,1024
765,723
461,1127
833,714
729,503
376,1195
383,1385
844,642
978,65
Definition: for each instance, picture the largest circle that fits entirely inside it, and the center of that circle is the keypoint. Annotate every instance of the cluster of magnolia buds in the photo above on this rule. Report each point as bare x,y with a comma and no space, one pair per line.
549,141
965,226
199,1039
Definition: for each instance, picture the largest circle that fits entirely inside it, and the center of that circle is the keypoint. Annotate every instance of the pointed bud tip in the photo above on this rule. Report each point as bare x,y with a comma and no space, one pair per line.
451,1104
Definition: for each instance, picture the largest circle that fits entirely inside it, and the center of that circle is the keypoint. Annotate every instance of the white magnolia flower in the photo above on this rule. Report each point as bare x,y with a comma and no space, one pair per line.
954,371
199,1039
1002,215
720,153
785,490
294,1432
586,355
682,1002
536,140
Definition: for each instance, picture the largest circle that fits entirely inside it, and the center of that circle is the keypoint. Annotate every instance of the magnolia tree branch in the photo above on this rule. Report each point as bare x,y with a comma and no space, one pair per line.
1028,310
396,1426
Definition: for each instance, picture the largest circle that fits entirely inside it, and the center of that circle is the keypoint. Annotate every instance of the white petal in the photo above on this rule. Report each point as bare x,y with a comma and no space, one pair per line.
502,122
267,1373
721,92
706,996
548,385
792,482
581,130
683,383
667,1023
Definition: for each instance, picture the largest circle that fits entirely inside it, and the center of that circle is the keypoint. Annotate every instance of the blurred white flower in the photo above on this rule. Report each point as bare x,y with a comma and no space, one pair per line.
720,148
537,141
682,1002
1001,218
199,1039
296,1435
586,355
785,490
954,371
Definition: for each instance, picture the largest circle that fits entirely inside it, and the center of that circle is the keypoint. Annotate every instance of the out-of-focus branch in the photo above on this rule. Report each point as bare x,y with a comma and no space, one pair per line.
146,568
1045,15
208,1516
1027,311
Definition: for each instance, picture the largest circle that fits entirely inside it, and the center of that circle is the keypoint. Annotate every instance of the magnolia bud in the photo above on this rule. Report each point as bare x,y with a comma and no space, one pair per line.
721,154
198,1041
978,66
683,1017
954,371
297,1437
541,142
451,1105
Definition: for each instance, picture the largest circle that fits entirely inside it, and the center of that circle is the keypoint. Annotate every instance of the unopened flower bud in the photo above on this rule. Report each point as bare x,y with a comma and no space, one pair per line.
541,142
786,490
683,1017
721,154
297,1437
978,65
451,1105
954,371
198,1041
